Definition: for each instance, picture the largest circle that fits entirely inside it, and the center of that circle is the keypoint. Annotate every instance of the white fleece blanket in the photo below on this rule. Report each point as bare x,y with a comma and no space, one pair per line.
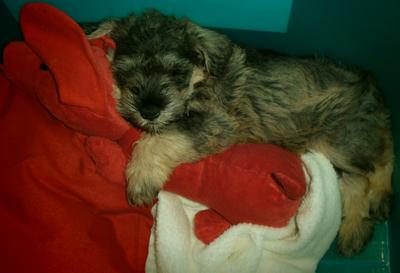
298,247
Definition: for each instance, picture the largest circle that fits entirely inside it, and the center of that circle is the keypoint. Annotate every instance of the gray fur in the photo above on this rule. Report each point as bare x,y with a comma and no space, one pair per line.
248,96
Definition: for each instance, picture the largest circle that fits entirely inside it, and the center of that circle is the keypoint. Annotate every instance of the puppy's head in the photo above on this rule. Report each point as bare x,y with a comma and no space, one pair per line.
157,64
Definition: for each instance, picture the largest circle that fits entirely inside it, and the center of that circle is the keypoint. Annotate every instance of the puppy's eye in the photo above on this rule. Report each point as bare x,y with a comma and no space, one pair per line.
180,76
178,72
134,90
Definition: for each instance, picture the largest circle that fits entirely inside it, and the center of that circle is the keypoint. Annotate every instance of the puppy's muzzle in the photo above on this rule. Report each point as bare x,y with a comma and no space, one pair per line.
151,107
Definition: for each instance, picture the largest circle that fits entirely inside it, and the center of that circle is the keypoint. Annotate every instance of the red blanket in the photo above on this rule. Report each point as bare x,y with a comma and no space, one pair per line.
63,152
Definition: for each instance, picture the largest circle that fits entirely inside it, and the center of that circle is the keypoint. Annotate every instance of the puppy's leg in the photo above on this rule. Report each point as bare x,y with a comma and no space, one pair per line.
366,200
366,194
380,187
356,228
153,159
380,192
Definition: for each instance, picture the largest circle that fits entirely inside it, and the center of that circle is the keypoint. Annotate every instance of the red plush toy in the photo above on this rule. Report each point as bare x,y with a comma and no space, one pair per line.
64,149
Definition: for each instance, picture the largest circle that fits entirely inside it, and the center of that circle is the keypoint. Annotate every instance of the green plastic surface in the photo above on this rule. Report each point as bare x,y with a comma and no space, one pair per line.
374,258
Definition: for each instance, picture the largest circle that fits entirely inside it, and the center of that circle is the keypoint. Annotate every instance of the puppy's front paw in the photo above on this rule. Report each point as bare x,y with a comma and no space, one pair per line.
153,159
144,182
140,192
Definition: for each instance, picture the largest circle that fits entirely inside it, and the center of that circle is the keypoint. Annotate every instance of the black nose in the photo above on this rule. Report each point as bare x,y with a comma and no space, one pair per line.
150,112
151,105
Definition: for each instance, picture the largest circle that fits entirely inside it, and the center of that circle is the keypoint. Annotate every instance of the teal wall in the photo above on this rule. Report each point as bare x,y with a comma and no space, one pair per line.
362,32
270,15
9,28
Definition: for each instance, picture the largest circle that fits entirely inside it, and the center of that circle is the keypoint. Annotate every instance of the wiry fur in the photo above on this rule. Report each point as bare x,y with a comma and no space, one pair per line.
201,93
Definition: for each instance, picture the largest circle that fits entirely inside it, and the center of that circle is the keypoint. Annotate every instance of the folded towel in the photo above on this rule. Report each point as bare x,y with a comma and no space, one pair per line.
296,247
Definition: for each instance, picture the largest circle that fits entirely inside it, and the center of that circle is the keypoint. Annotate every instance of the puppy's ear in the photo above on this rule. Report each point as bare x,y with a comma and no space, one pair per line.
122,27
97,30
94,31
115,28
209,49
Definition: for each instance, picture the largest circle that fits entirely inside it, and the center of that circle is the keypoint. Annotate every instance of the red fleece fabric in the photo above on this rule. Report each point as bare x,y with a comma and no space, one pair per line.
63,153
58,214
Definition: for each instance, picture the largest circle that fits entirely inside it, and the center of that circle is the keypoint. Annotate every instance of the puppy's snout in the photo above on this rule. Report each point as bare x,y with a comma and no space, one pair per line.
151,107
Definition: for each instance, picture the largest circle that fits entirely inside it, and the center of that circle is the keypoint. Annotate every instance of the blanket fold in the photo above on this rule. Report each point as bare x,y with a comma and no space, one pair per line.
294,248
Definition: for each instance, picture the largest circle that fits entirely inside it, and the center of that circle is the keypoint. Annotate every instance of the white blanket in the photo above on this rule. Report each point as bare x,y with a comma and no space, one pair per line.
298,247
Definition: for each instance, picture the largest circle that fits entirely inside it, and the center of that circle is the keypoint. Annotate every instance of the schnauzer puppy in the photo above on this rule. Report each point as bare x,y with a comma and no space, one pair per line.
194,93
